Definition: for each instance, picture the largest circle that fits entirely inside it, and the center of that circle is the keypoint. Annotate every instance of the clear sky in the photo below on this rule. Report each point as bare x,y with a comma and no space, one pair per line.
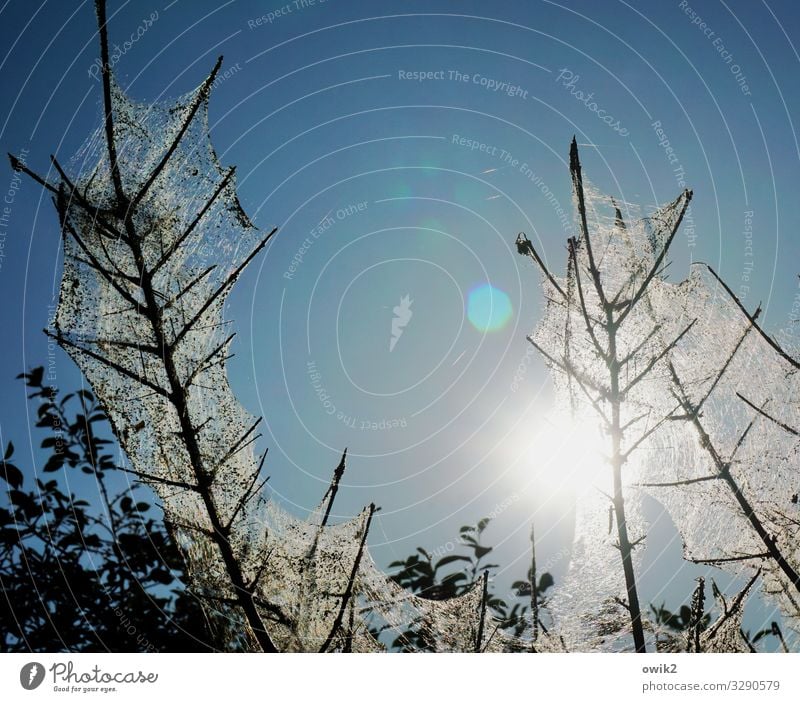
400,147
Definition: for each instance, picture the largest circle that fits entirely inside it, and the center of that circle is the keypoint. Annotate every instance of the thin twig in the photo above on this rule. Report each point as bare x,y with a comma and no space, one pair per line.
763,413
752,318
348,593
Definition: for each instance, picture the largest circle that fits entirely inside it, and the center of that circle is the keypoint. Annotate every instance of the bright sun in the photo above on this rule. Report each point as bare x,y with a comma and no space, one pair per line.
567,457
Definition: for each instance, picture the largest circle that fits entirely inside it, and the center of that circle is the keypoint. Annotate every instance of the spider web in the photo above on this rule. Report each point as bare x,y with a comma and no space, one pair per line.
141,311
692,355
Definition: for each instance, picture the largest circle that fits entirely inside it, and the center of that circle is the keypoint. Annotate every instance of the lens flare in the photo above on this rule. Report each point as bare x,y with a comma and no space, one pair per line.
488,308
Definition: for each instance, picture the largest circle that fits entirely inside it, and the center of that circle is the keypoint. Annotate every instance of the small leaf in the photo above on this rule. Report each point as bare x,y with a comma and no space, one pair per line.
54,463
34,378
11,474
546,581
162,576
481,551
451,559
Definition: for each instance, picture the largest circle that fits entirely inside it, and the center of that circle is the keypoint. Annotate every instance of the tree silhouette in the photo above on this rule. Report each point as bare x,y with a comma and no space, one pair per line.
76,577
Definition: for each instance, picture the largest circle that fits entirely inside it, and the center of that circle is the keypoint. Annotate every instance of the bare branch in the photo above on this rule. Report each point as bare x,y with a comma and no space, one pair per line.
202,95
482,620
734,607
188,287
187,232
334,487
158,479
687,198
726,364
740,441
66,226
133,345
746,508
752,318
202,364
102,23
586,317
657,358
238,445
629,357
730,559
20,167
679,483
230,280
652,430
763,413
246,495
64,341
577,186
525,248
566,367
348,593
94,212
534,591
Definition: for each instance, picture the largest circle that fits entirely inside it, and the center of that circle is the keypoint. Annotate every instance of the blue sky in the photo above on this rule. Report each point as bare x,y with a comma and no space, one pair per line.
386,186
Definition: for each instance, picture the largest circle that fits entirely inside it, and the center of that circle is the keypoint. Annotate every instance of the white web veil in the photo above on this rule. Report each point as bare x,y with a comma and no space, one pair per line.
709,416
